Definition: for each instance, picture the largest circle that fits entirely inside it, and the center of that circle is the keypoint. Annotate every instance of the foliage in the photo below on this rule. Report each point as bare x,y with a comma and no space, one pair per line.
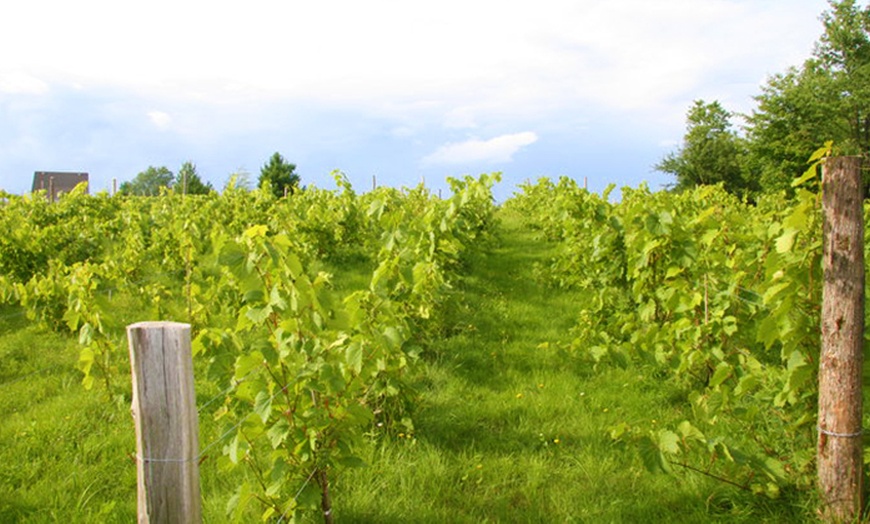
699,288
148,182
827,98
308,371
711,152
280,175
187,181
501,416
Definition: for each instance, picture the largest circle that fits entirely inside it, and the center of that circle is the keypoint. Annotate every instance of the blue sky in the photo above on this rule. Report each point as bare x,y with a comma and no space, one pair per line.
404,91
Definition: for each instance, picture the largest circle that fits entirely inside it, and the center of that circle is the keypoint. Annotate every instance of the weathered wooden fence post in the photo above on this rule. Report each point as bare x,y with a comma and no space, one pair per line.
167,430
840,464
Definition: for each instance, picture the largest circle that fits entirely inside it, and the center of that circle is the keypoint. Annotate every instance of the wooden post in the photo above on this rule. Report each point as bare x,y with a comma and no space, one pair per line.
167,433
840,464
51,189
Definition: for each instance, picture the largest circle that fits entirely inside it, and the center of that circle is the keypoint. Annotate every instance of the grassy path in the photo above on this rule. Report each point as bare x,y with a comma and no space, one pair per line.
513,428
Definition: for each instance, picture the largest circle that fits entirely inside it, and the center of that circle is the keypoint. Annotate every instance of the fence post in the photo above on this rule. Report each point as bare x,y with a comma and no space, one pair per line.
840,464
167,431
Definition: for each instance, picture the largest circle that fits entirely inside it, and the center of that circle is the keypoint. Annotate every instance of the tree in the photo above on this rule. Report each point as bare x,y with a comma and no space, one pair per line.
827,98
280,175
148,182
711,152
187,181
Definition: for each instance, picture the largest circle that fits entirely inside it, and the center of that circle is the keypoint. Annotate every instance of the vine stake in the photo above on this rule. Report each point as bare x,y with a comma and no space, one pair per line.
840,464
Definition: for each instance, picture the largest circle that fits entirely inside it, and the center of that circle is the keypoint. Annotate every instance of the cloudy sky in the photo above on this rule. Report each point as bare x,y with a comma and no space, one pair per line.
399,90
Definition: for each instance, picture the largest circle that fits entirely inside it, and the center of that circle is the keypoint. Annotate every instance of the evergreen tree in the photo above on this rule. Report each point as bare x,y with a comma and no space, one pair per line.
280,174
189,182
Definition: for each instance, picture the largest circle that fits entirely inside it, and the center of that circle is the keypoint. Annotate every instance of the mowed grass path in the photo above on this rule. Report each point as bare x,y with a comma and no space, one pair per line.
513,428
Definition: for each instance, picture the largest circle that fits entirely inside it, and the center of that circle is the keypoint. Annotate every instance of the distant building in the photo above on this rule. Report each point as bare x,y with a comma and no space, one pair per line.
56,182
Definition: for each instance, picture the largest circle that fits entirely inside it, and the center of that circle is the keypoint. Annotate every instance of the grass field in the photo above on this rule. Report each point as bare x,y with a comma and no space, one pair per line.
510,427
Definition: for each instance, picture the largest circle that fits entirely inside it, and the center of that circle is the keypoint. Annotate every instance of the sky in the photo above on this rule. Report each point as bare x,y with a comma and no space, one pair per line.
387,91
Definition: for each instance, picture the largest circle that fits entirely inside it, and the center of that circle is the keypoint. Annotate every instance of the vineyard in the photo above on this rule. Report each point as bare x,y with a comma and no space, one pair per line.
396,356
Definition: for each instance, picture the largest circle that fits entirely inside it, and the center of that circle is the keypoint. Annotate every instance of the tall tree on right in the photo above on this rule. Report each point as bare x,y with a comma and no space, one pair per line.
828,98
280,174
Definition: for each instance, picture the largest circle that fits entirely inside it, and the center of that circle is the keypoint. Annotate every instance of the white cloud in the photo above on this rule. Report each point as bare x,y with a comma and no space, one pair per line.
21,83
494,150
503,55
160,119
460,118
419,70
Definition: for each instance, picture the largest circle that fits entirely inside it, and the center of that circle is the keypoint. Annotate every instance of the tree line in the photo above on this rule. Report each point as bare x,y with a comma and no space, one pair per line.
825,99
279,174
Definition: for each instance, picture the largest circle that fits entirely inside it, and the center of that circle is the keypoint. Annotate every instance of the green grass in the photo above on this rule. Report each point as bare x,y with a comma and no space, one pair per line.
510,426
61,455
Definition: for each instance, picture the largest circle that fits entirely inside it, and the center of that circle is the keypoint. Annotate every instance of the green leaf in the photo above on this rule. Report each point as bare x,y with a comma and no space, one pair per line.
809,174
617,431
332,378
394,337
688,431
647,311
278,432
278,475
86,334
354,356
86,361
359,414
71,317
263,405
774,469
673,271
653,459
823,151
598,352
258,231
258,315
773,291
236,448
746,384
246,363
232,256
721,374
785,242
276,300
254,295
239,502
669,442
294,265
